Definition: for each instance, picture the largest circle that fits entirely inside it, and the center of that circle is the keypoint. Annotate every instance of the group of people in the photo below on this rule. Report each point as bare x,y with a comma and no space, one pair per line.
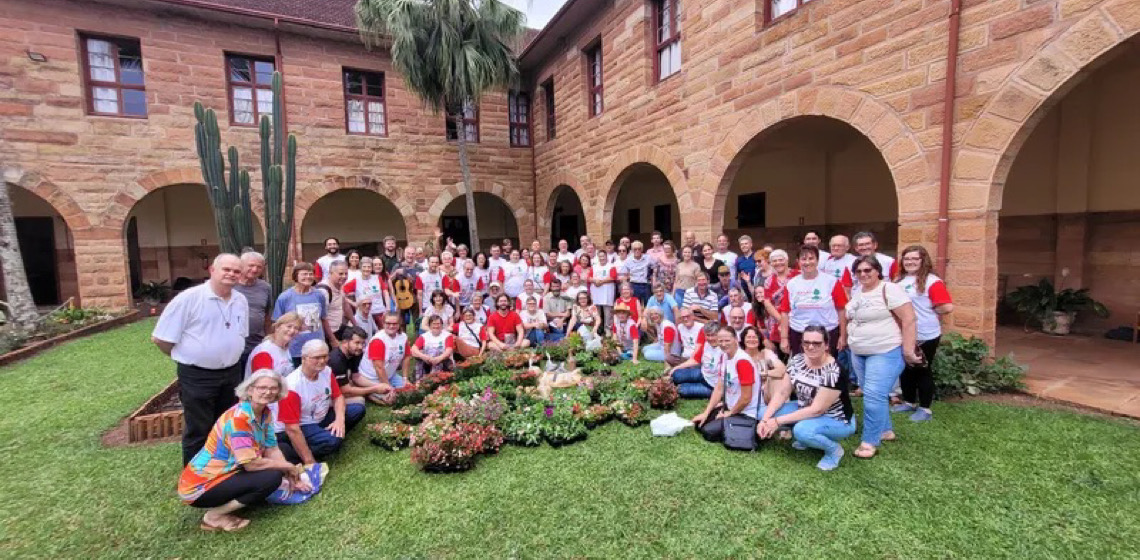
270,388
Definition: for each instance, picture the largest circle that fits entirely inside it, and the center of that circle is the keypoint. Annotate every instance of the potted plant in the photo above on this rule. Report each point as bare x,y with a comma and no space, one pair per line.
390,435
153,293
1055,310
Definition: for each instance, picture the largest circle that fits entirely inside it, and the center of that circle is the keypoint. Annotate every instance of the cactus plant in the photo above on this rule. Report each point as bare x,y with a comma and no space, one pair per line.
233,215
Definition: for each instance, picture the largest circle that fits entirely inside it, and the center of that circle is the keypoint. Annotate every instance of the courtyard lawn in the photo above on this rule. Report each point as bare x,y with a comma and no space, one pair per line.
981,481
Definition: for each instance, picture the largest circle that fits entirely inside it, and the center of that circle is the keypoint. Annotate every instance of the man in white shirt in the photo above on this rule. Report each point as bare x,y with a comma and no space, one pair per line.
725,256
564,254
838,262
867,244
338,311
203,329
332,254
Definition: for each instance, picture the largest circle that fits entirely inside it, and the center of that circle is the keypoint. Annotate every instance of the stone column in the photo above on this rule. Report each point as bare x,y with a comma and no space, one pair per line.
101,264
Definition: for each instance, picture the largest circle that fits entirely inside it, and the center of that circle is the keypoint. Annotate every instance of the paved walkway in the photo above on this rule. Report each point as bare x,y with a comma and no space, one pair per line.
1094,372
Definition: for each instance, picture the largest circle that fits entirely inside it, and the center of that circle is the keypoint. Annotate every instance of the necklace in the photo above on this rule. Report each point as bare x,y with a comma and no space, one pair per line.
222,311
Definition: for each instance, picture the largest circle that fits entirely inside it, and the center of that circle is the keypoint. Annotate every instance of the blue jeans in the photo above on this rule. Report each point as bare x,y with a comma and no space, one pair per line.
397,381
536,337
786,408
320,440
821,432
878,373
641,291
654,352
555,335
691,384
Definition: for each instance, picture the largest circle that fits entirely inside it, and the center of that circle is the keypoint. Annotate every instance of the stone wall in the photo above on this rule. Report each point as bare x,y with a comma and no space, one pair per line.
93,169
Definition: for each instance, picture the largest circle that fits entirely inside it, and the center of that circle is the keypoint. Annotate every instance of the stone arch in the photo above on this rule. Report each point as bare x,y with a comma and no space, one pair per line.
524,218
73,215
547,190
620,164
910,170
309,195
993,141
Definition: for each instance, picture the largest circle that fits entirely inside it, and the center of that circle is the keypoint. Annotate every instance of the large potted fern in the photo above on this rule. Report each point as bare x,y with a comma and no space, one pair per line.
1055,310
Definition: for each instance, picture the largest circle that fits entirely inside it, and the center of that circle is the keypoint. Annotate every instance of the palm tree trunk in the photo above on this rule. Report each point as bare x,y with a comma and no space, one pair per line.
22,307
465,168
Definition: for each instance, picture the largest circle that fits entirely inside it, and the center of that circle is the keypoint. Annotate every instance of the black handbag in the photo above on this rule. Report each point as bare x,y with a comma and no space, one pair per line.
740,430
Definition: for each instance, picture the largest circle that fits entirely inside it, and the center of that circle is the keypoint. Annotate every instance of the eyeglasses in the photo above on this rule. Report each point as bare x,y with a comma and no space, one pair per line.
318,357
864,270
266,389
812,343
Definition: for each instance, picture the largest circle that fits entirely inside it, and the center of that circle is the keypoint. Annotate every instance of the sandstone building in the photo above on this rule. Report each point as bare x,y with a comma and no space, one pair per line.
765,116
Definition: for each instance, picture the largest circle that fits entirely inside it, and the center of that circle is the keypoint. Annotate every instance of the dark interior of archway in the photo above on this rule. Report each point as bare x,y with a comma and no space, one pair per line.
170,236
45,247
496,221
359,218
645,203
1071,203
811,174
568,220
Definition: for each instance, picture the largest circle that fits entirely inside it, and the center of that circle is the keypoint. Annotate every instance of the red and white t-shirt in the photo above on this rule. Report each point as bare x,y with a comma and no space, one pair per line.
749,315
321,267
309,400
390,350
691,338
626,333
927,326
520,301
361,288
889,264
468,285
434,345
711,359
540,275
268,355
667,336
740,372
604,294
428,282
814,301
839,268
514,277
474,334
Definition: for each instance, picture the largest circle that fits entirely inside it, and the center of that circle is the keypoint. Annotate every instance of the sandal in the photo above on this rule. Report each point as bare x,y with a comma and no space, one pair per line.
232,525
865,451
888,436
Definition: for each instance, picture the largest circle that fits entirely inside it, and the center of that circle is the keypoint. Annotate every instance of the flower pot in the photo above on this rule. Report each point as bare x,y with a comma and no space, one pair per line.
1060,323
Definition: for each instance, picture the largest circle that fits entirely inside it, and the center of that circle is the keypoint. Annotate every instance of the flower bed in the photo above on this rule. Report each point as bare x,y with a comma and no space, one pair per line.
60,326
451,419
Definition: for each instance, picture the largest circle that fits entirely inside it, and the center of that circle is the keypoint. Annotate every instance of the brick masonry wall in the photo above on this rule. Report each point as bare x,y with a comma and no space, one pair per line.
92,169
878,65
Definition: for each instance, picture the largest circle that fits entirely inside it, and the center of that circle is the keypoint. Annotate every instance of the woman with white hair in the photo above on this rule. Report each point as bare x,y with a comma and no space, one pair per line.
774,294
273,352
313,419
241,464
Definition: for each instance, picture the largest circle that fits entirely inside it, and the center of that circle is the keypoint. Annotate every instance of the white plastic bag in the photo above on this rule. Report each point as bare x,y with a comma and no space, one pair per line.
668,425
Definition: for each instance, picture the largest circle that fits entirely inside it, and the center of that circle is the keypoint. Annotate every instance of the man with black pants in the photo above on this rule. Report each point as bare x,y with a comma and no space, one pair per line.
204,329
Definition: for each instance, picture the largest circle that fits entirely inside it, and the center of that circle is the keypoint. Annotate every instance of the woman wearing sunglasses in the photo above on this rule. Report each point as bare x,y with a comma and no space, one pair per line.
881,335
821,412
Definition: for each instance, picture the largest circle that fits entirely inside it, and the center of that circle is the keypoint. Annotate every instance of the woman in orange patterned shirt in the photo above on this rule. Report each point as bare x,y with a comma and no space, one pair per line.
240,464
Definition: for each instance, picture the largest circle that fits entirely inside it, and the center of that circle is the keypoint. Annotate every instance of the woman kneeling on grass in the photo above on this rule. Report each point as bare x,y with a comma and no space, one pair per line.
821,415
241,464
739,387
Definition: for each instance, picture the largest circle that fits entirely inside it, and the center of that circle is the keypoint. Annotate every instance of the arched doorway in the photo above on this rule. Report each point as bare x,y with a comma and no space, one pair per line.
46,247
359,218
567,220
496,221
810,173
1070,208
645,203
170,236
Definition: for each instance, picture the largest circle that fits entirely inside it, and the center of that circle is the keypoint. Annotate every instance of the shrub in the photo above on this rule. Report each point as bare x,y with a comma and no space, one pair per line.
964,366
390,435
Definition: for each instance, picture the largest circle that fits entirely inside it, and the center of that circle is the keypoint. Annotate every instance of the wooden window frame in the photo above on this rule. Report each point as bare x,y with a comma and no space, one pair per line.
512,100
673,38
548,109
253,84
769,20
461,125
89,84
365,99
592,50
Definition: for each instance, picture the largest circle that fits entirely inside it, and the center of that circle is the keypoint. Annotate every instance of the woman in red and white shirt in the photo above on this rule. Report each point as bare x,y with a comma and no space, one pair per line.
273,352
470,335
514,274
779,276
627,299
737,392
812,299
434,348
930,299
768,364
438,307
369,283
539,273
625,333
663,333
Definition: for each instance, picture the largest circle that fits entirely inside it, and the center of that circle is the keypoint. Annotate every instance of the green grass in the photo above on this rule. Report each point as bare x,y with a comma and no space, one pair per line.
981,481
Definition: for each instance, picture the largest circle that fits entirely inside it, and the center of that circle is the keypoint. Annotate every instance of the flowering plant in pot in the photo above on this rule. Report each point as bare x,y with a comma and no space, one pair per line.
390,435
563,428
411,415
522,427
433,381
1054,310
408,395
526,378
631,413
440,445
484,409
595,415
663,394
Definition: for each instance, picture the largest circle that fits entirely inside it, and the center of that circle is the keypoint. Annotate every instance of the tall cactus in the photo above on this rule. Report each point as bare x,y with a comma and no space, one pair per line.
233,215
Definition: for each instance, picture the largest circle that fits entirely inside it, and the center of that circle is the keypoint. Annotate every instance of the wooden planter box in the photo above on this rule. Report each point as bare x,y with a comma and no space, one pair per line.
150,422
37,347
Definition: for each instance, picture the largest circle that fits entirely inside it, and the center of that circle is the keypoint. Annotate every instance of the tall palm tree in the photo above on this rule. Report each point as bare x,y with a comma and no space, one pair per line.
449,52
19,293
